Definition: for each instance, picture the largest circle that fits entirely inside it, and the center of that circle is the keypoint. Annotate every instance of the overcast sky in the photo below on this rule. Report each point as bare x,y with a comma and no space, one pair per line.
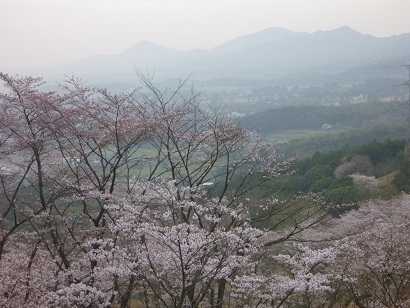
42,32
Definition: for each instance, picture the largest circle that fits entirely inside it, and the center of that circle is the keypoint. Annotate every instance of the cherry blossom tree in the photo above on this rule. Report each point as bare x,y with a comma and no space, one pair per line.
26,116
142,195
372,269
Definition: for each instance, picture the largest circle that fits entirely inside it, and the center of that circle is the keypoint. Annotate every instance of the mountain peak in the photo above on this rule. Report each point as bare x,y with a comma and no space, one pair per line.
144,45
346,29
342,29
344,32
268,35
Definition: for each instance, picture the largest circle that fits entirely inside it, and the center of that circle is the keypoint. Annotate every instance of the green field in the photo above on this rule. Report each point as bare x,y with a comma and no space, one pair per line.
289,135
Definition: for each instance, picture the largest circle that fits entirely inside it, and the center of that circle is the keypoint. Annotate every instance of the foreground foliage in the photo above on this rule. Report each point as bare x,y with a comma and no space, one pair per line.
108,199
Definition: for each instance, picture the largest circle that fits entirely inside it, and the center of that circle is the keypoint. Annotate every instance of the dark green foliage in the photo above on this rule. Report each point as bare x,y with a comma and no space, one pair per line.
321,184
296,183
325,162
317,174
343,191
380,152
343,196
402,178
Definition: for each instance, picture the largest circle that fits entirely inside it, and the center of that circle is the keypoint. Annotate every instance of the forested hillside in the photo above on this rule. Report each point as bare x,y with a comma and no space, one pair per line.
338,117
349,175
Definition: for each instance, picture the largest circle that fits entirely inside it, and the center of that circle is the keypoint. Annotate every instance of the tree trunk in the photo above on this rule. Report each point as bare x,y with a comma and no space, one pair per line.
221,293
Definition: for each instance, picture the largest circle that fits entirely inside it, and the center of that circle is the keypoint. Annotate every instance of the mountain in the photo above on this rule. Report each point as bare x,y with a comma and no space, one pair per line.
342,47
271,52
146,54
266,36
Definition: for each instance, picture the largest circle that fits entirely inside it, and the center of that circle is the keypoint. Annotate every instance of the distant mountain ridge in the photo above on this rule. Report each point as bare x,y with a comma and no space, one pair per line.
272,49
268,35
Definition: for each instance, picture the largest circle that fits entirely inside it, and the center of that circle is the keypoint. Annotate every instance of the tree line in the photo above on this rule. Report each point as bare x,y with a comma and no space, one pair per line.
314,117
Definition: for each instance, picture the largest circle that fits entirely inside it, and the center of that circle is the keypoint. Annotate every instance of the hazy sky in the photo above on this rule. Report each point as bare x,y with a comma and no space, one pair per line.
40,32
